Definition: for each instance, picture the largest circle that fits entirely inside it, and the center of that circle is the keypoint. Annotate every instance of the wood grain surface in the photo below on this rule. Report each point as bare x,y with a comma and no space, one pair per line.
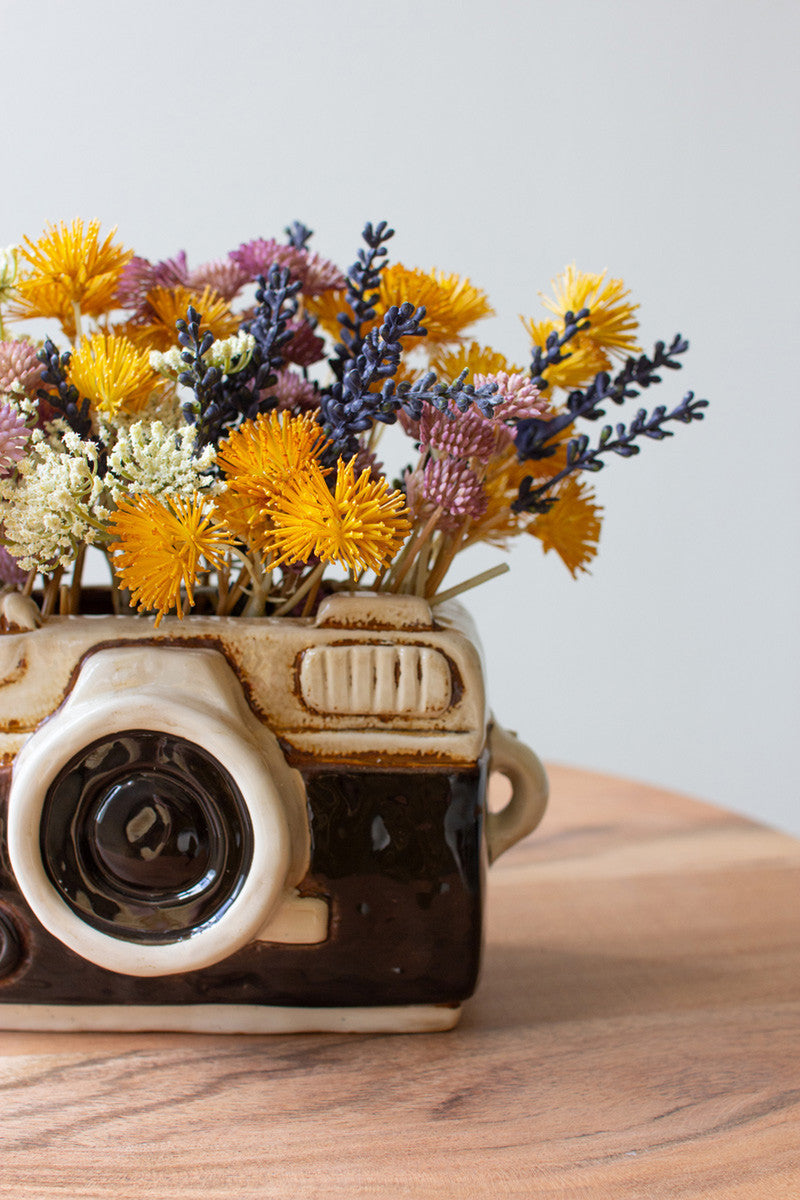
636,1034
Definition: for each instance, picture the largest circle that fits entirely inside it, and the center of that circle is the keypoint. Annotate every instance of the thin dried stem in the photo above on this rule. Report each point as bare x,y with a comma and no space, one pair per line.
51,592
475,581
305,586
412,548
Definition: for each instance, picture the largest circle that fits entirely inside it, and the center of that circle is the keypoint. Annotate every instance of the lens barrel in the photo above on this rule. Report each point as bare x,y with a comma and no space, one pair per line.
146,836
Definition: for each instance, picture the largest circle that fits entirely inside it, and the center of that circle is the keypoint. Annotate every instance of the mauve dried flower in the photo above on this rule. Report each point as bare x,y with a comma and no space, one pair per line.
294,392
10,570
20,368
225,277
316,274
460,435
450,484
140,276
14,435
304,347
518,398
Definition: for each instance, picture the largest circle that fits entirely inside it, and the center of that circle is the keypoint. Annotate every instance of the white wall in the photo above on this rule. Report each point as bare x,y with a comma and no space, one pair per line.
504,140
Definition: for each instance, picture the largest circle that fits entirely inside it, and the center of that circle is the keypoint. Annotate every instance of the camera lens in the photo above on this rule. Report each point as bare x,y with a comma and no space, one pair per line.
146,836
150,834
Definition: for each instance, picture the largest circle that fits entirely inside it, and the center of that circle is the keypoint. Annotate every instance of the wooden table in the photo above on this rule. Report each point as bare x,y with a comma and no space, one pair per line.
636,1034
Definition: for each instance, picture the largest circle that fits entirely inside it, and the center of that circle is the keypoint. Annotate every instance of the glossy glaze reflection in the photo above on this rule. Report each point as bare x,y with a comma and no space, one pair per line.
146,836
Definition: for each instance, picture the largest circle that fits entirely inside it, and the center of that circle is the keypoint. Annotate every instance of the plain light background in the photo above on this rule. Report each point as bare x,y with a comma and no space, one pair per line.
504,140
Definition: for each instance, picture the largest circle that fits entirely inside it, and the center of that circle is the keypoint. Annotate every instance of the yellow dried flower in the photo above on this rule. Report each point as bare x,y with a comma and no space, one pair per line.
261,455
72,273
572,526
610,333
361,524
612,322
258,459
583,357
161,544
477,359
452,303
169,305
112,374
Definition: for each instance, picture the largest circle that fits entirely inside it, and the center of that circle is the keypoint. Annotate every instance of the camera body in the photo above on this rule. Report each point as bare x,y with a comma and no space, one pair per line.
226,824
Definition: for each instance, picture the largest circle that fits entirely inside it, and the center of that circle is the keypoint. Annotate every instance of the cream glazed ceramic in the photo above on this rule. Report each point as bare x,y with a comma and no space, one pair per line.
248,825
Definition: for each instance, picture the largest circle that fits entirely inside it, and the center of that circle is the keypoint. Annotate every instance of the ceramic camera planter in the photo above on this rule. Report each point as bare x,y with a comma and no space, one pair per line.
249,825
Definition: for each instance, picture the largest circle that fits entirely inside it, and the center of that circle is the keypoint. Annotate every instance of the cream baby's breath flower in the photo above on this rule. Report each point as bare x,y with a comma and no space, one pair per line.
54,505
167,362
229,355
151,457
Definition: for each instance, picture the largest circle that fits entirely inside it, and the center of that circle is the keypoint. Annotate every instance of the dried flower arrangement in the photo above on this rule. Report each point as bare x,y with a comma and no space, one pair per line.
226,458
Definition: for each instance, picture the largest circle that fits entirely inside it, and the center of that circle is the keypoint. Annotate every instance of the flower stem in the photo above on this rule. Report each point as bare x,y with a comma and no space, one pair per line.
412,548
76,312
475,581
75,585
51,592
305,586
444,560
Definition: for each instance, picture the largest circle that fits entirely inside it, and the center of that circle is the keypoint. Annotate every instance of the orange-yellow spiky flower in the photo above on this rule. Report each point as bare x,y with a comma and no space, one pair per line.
112,374
160,546
451,303
572,526
168,305
361,524
610,333
72,273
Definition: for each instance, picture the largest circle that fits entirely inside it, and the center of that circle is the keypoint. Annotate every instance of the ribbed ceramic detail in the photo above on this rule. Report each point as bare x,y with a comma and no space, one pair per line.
376,680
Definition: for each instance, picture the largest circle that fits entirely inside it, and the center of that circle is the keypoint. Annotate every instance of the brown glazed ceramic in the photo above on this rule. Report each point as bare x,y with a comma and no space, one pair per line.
249,825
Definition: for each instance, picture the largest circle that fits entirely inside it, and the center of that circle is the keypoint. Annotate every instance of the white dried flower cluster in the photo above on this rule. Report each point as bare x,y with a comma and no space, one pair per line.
161,406
27,408
54,504
152,457
229,355
168,363
9,265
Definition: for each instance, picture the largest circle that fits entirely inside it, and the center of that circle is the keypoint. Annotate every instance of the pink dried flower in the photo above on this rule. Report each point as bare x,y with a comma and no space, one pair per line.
367,460
460,435
140,276
19,366
450,484
516,398
315,274
226,278
304,347
14,436
10,570
294,392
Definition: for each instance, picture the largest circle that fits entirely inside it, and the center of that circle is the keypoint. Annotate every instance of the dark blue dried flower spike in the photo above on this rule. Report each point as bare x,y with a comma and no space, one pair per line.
362,360
66,398
535,438
221,402
298,235
534,434
553,350
363,289
350,407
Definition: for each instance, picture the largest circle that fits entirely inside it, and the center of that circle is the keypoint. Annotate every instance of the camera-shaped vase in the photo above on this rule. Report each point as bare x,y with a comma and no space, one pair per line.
266,825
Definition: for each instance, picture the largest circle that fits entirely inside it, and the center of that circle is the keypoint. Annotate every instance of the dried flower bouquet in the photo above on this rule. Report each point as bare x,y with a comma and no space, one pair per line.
215,431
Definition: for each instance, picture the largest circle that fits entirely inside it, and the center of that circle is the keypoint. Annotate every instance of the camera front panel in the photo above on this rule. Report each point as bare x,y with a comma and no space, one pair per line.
398,857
